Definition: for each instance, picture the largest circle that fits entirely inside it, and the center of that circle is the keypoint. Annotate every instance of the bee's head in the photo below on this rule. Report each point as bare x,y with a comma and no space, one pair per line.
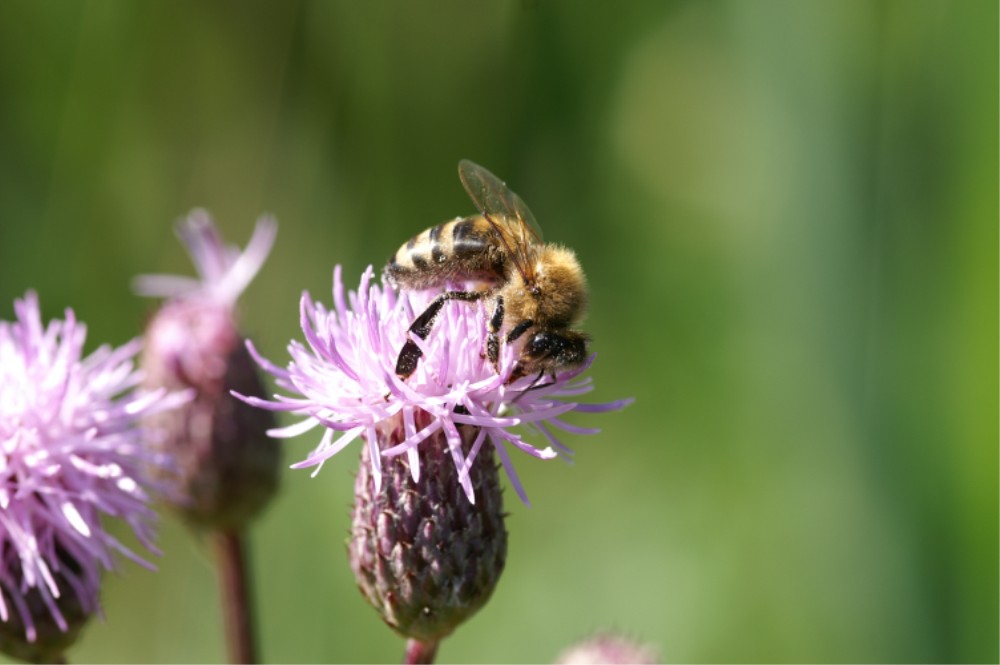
551,350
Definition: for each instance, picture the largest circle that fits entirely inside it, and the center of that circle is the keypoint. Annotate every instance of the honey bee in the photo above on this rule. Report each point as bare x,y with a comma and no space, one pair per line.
533,290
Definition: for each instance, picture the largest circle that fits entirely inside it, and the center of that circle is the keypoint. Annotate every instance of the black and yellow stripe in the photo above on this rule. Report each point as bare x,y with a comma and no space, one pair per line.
461,249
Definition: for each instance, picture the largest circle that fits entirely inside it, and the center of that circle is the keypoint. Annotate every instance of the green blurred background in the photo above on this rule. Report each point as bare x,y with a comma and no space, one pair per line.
788,214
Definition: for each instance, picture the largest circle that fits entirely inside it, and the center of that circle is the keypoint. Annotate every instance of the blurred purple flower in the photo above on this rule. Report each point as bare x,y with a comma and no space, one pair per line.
71,453
345,380
608,648
225,270
226,468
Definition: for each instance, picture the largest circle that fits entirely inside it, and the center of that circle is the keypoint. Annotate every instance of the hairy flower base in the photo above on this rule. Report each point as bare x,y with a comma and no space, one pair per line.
424,556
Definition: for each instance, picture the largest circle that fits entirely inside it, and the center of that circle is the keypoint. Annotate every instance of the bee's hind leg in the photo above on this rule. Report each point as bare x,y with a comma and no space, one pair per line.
410,354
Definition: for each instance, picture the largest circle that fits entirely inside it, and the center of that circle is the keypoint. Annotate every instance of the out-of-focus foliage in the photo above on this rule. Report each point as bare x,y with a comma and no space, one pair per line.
788,214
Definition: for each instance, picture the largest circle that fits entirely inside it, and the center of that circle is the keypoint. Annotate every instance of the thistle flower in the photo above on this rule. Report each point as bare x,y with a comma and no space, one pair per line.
71,453
345,380
429,549
227,468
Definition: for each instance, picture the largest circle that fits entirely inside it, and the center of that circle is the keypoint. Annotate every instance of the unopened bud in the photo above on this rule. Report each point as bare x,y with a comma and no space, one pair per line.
423,555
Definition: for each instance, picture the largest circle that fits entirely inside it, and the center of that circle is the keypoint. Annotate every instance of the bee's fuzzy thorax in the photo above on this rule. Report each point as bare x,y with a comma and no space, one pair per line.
561,280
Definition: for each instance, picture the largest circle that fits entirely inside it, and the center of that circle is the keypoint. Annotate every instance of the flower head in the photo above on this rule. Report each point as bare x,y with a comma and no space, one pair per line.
427,548
71,453
344,380
226,466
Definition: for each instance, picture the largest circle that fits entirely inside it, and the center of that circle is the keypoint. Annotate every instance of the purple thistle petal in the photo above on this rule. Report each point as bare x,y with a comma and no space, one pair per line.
328,448
338,292
411,442
265,363
573,428
225,271
246,266
262,403
290,431
413,458
508,468
455,447
565,451
409,430
520,444
617,405
198,233
376,459
476,445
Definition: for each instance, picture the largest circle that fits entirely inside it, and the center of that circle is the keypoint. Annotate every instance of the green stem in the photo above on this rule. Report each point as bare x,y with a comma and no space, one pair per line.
237,603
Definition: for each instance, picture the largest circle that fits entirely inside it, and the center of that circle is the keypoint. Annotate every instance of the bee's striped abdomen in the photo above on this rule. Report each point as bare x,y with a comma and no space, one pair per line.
421,252
438,253
461,249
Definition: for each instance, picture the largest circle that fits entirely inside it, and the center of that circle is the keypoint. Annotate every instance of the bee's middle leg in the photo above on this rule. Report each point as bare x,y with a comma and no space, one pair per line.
493,338
410,354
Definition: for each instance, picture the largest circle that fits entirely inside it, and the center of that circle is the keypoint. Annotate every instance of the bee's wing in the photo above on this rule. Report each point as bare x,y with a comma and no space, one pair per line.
503,209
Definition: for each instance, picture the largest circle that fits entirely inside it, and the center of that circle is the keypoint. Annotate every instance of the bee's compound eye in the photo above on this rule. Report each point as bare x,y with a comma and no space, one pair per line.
540,344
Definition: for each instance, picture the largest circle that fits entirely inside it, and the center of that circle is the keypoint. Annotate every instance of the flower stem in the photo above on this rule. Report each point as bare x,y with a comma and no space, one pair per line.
420,653
237,604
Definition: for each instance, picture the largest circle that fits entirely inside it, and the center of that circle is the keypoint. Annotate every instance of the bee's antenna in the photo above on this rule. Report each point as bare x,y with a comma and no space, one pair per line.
534,386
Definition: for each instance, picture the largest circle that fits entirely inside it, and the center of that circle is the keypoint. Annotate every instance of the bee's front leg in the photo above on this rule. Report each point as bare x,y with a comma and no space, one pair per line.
410,354
515,333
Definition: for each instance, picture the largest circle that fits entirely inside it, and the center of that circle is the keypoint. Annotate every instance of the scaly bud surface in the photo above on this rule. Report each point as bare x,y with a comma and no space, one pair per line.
424,556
